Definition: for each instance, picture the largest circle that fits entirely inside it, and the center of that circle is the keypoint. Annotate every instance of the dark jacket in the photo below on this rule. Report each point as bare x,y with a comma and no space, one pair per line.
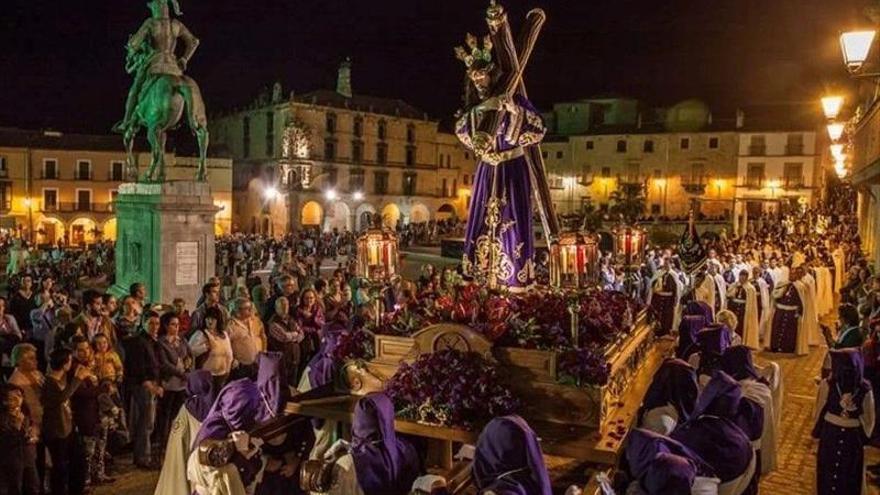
84,403
142,359
57,414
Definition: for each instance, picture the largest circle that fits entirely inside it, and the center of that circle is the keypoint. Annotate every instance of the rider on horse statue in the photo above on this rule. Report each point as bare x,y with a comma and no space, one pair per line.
160,91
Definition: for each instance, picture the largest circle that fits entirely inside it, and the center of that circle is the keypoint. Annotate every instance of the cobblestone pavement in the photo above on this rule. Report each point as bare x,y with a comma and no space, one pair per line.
796,473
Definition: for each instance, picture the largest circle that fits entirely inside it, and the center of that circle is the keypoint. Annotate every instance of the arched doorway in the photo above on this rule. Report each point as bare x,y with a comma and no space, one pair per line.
50,231
84,230
419,213
312,214
338,217
445,212
390,215
109,229
364,215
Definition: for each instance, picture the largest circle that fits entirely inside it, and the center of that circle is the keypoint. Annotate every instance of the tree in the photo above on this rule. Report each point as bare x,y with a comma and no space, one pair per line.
628,201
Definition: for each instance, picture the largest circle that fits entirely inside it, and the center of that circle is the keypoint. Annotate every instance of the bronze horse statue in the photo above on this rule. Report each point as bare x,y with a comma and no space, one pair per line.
163,101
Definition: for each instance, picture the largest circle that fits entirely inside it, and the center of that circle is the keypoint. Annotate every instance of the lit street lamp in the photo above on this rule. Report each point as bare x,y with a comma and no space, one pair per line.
831,106
856,45
773,185
837,152
358,196
719,183
662,189
330,195
835,131
270,193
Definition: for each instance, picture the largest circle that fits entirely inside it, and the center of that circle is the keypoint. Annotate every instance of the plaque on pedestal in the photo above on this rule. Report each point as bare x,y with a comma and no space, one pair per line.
165,239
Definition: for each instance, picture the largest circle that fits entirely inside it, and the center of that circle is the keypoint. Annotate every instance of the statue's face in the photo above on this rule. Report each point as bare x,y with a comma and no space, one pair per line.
482,79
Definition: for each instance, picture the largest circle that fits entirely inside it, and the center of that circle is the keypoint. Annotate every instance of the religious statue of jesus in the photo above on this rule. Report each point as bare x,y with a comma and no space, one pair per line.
498,126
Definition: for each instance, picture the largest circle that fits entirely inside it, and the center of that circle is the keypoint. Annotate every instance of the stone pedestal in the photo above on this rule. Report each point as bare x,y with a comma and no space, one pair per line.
165,239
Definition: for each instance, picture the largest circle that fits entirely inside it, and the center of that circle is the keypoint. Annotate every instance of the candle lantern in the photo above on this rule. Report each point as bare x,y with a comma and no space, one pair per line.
377,253
629,243
574,259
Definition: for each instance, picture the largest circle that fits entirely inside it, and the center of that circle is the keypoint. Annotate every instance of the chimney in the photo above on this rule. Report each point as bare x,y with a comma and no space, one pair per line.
740,118
343,80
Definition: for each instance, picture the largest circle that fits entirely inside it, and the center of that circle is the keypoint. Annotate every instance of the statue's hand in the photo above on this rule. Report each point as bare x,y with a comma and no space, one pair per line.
182,63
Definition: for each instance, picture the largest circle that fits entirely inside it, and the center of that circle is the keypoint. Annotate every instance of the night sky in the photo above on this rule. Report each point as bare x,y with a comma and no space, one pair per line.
61,61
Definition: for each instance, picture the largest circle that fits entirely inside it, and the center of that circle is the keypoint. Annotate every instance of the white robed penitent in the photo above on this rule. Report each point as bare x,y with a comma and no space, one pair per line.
172,478
766,304
802,342
811,315
705,292
763,396
751,328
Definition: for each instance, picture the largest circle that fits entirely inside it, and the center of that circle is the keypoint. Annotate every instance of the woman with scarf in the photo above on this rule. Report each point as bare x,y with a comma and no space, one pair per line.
200,396
670,399
844,420
659,465
757,396
377,462
509,461
241,406
713,432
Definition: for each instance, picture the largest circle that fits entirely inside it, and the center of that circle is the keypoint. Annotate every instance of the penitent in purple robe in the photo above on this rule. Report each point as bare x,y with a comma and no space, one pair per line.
664,299
499,241
675,384
736,302
244,404
713,434
201,394
661,465
786,320
384,463
509,461
843,424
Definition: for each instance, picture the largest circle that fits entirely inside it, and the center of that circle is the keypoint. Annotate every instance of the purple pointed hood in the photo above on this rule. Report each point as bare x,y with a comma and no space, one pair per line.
322,364
714,339
669,474
235,409
675,383
200,394
508,459
721,397
848,370
384,463
272,384
737,362
643,446
699,308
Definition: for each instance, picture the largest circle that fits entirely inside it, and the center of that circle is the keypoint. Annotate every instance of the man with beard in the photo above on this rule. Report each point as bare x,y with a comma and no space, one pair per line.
91,320
664,298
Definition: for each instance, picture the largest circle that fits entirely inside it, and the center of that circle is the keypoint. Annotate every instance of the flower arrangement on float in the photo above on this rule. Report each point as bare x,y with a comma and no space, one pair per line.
426,391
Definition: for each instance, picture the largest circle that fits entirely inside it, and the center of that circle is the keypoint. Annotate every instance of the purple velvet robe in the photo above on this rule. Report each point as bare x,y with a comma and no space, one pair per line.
200,394
712,431
648,462
508,459
242,405
664,298
713,341
675,383
736,302
502,180
841,457
785,325
384,464
687,335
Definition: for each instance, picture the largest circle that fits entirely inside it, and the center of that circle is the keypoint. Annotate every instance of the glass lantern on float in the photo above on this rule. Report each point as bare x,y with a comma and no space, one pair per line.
377,253
377,260
574,260
629,244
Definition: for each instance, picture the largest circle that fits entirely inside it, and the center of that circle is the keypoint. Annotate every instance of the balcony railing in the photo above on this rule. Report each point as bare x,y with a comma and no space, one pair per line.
4,173
755,182
80,175
65,207
50,175
693,185
794,149
793,183
758,150
6,204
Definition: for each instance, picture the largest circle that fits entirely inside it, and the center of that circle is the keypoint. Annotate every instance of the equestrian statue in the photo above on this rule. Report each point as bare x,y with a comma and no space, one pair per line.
161,93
